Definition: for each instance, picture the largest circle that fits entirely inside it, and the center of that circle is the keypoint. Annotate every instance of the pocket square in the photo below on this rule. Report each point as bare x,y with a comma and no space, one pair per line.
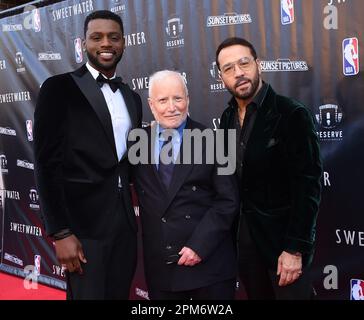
272,142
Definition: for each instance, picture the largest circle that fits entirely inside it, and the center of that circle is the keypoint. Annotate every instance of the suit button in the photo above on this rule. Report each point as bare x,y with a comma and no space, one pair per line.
164,220
188,216
194,188
143,191
168,247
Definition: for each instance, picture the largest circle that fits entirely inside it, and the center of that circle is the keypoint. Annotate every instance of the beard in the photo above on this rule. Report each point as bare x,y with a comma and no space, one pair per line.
103,67
247,93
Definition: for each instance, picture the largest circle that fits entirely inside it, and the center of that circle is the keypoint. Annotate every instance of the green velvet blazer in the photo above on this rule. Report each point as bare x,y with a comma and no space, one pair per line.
280,186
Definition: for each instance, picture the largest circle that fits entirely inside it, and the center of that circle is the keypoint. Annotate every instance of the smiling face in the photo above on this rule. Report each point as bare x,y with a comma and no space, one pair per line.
169,101
104,45
242,81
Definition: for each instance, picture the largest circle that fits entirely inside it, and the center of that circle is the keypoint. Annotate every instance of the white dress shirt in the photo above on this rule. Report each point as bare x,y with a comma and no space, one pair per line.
120,117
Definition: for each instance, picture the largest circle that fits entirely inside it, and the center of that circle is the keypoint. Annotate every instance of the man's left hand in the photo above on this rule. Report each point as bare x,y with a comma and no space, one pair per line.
289,268
188,257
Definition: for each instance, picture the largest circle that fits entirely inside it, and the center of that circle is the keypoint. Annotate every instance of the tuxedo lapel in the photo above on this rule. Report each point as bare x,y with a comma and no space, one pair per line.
94,96
266,123
130,104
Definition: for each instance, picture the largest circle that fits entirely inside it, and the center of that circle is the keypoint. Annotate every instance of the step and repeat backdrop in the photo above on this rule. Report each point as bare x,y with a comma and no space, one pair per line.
309,50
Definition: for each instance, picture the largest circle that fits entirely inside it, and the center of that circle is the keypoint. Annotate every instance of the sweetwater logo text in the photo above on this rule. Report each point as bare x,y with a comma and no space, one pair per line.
135,39
2,64
283,65
350,237
140,83
9,97
174,30
11,195
216,123
228,19
329,118
25,164
59,271
26,229
73,10
7,131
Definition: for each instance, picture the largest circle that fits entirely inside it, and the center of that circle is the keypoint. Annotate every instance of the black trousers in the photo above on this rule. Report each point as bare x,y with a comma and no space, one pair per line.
260,282
111,263
223,290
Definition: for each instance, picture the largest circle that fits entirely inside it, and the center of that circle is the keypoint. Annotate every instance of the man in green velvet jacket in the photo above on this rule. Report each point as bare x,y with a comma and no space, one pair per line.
279,170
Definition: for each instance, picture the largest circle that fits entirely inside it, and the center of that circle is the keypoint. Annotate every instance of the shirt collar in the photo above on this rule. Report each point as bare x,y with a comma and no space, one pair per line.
95,73
160,129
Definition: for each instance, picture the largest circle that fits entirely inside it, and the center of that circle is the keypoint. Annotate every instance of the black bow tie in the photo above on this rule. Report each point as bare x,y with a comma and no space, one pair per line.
113,83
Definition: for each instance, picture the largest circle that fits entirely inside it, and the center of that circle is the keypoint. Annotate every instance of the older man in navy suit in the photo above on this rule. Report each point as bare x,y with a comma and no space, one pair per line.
186,209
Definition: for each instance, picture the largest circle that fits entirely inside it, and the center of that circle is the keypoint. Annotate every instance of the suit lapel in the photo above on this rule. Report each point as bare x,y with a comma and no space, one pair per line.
180,173
265,125
94,96
152,161
130,104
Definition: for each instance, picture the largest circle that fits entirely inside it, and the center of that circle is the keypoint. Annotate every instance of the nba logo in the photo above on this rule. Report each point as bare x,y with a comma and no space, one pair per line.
287,11
29,126
37,259
78,50
36,20
357,289
350,56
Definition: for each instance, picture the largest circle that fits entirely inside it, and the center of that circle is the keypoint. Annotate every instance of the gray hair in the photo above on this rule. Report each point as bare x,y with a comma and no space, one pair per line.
159,75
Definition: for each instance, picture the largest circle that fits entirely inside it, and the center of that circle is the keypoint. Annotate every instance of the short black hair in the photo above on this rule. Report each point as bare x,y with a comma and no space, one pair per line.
232,42
103,14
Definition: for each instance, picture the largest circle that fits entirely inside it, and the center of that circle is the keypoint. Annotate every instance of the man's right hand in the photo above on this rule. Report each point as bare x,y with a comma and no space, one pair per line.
69,253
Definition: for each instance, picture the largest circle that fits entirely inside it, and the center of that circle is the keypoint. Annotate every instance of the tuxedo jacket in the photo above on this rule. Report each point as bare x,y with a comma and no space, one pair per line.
76,162
196,211
280,186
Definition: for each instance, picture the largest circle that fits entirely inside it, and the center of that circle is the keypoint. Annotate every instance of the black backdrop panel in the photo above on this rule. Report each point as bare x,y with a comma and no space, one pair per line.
309,50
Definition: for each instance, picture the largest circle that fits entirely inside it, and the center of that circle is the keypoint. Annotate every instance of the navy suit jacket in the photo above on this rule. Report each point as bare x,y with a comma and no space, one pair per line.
197,211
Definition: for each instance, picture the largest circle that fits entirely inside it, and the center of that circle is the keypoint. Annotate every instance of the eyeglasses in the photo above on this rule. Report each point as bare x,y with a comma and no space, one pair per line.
244,64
